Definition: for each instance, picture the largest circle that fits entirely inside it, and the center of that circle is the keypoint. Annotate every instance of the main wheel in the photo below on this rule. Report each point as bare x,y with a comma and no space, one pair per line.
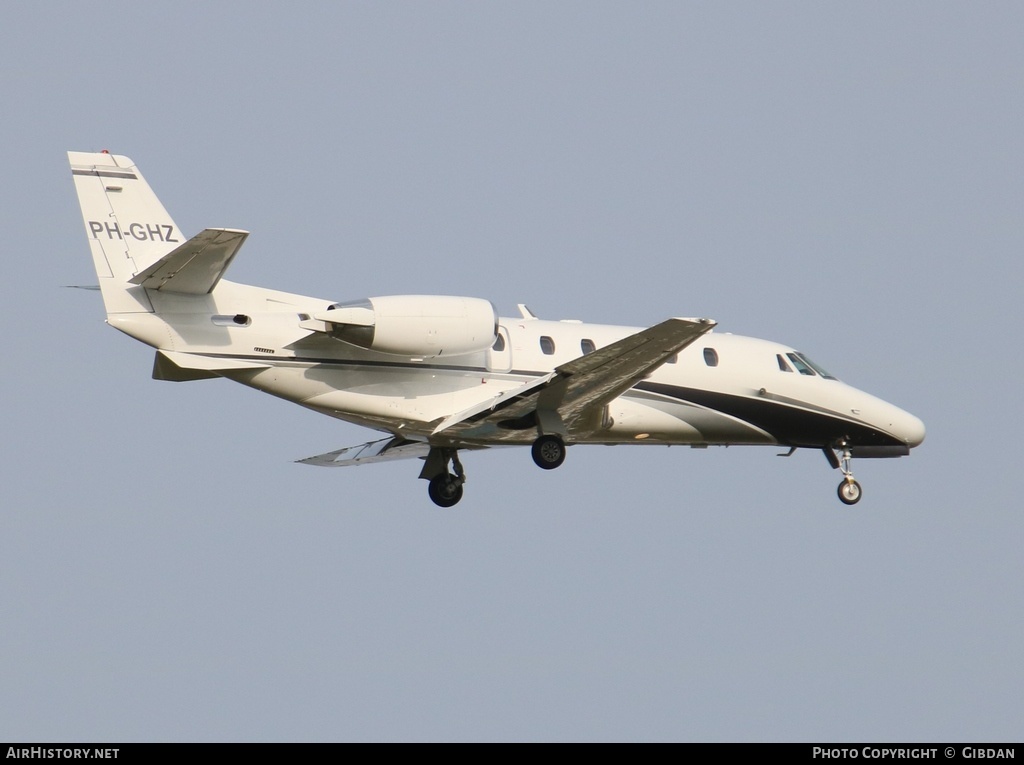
849,492
444,490
548,452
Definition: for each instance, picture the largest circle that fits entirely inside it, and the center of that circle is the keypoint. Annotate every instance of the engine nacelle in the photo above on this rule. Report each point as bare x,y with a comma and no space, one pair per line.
421,326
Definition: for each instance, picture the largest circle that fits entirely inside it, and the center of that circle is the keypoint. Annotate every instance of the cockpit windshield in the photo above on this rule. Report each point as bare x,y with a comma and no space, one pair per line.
807,367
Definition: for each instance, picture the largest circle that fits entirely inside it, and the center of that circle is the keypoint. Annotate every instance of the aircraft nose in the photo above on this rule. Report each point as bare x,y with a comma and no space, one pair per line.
910,429
891,420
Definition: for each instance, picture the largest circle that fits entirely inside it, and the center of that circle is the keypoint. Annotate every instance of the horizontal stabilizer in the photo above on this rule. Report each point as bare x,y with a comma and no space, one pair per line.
394,448
195,267
166,369
179,367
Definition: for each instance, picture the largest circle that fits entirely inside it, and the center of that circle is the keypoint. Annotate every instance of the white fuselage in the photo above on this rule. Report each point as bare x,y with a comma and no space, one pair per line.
723,389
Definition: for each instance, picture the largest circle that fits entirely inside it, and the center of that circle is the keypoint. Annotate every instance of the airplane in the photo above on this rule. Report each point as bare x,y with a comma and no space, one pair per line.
440,375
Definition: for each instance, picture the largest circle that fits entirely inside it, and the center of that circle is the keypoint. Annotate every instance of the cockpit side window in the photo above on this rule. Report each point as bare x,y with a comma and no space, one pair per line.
816,367
807,367
801,367
782,363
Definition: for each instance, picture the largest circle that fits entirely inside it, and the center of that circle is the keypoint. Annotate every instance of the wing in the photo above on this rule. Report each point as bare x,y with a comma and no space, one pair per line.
196,266
574,394
394,448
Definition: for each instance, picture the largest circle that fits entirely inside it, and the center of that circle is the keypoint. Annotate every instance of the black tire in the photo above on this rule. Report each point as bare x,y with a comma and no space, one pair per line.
444,490
849,492
548,452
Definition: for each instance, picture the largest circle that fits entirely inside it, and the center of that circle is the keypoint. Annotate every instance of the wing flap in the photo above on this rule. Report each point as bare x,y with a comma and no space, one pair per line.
195,267
394,448
511,404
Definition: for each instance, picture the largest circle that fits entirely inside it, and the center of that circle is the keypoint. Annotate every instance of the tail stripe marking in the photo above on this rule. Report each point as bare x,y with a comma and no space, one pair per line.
106,174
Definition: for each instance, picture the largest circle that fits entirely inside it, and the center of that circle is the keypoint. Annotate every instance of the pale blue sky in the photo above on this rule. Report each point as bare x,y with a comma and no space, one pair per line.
843,178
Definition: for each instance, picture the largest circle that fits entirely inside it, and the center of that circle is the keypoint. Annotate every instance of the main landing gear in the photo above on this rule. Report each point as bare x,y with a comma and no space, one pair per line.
445,485
445,488
548,452
849,490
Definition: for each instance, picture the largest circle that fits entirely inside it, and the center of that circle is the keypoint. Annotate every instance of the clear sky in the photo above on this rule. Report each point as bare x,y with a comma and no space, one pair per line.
845,178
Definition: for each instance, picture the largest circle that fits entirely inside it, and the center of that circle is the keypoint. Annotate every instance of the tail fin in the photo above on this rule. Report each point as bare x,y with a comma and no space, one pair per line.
128,229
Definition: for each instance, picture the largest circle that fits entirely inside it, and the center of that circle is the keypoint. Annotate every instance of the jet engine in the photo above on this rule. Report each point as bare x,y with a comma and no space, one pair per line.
422,326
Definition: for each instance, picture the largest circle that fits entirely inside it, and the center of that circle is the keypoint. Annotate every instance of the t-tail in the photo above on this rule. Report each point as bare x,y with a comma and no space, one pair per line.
136,246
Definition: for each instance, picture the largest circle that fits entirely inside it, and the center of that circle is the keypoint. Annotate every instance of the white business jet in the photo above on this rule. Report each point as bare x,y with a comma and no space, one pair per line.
442,374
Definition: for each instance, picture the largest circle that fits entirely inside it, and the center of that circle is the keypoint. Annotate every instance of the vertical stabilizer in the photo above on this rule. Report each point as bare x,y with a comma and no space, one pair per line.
127,227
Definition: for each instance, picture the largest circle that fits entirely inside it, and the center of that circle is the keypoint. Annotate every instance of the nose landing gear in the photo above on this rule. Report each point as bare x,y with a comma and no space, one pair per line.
849,490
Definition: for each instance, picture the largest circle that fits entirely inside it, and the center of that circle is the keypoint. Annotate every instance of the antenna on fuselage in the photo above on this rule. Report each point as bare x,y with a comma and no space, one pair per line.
525,312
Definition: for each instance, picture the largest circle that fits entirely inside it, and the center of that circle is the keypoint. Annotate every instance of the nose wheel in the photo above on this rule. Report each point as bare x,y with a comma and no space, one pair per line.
849,490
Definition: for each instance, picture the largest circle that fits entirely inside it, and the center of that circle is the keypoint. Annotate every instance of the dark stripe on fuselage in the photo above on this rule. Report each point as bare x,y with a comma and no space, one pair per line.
789,425
279,360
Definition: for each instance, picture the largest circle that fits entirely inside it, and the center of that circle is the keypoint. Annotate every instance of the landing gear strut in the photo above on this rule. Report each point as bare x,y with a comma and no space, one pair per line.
849,490
444,489
548,451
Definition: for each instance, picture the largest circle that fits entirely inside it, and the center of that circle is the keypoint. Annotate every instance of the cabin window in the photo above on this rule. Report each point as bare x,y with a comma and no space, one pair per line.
547,345
672,359
587,346
782,363
499,343
711,357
